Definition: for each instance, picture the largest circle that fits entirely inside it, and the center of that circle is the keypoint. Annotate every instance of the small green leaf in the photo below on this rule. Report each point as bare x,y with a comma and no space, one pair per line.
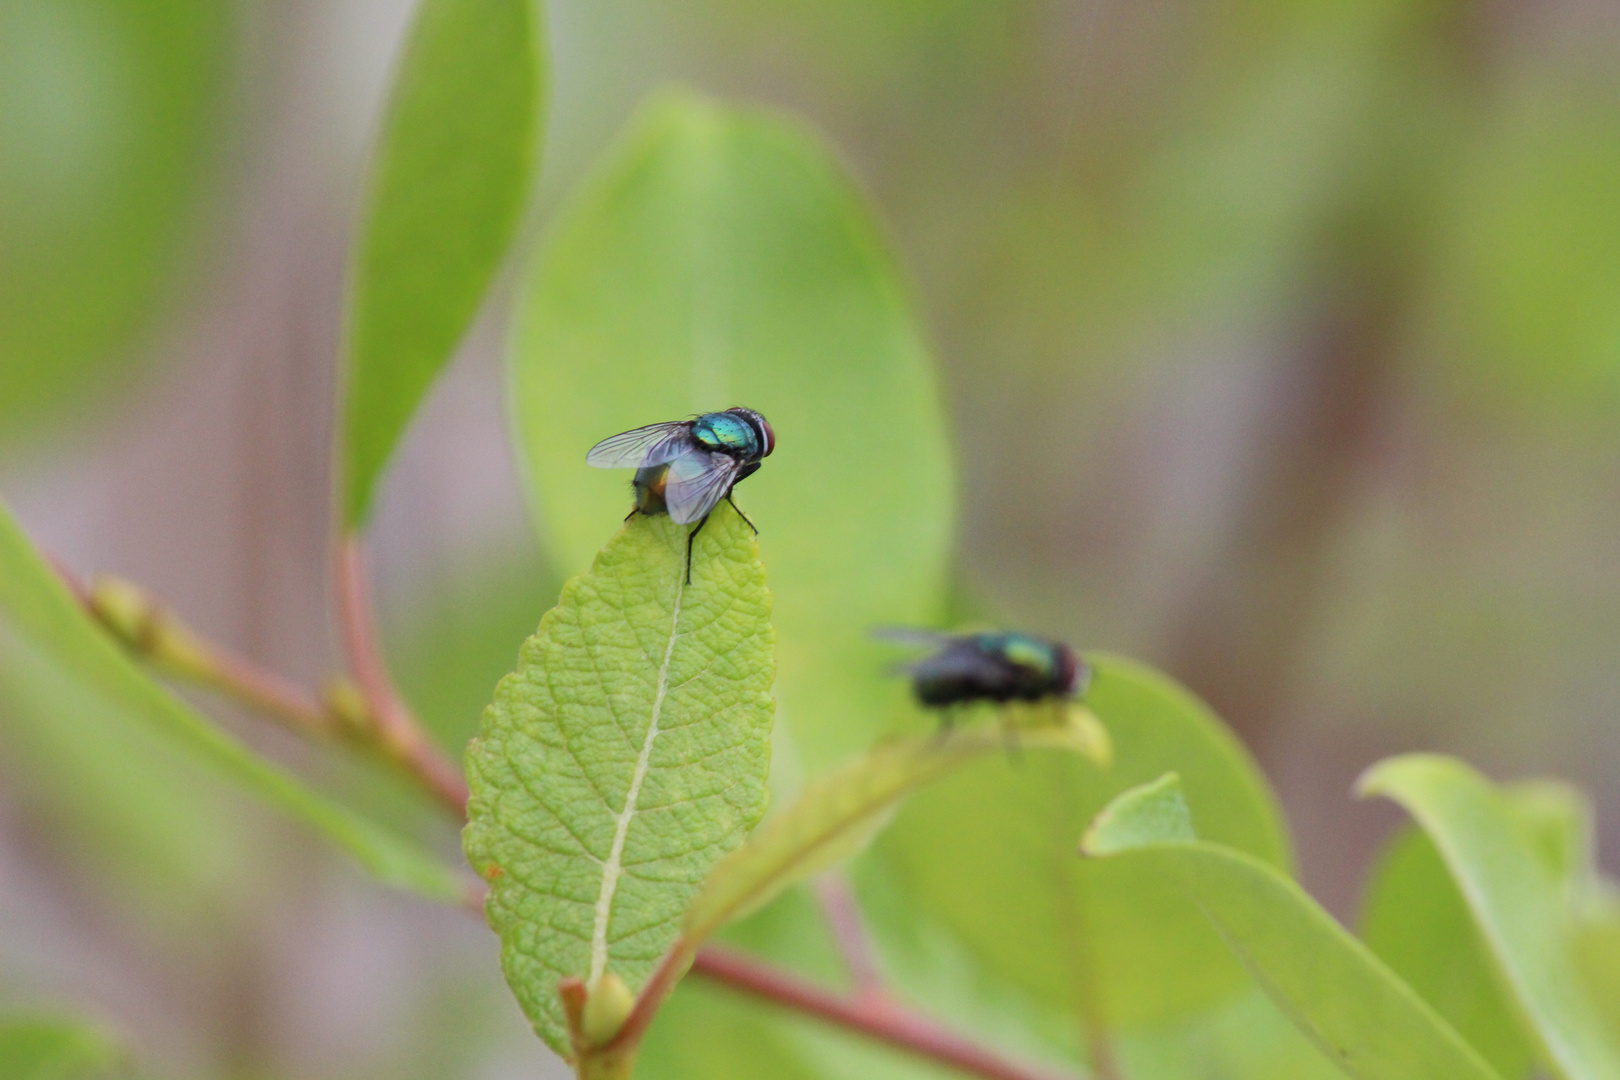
623,758
1154,813
35,606
1510,877
50,1048
723,257
1416,921
1365,1019
837,815
453,170
1102,939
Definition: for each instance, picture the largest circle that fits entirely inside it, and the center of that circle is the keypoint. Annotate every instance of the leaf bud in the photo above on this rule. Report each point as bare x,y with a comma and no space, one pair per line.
606,1009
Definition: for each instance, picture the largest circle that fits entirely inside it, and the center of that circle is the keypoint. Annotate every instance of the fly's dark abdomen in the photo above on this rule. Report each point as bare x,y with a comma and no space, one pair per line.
649,487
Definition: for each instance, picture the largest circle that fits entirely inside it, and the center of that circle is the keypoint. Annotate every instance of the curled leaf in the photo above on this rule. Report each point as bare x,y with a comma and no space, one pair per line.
1360,1014
837,815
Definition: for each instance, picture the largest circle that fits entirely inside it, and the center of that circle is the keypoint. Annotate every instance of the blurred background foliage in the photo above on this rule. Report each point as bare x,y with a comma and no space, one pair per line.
1281,342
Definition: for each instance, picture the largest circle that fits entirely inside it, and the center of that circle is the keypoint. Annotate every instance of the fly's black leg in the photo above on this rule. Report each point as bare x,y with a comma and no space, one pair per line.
691,536
634,510
742,515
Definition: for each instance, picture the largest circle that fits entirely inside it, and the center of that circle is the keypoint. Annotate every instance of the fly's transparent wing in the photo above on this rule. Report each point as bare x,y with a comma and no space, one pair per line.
698,480
910,635
650,445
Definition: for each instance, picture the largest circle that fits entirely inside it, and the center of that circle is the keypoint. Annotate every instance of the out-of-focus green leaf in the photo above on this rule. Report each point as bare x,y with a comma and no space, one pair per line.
163,832
1366,1020
1247,1038
837,815
1517,898
623,758
1597,954
1418,924
1527,279
1152,813
989,851
722,257
454,644
454,167
703,1032
792,933
112,114
46,1048
1557,819
39,610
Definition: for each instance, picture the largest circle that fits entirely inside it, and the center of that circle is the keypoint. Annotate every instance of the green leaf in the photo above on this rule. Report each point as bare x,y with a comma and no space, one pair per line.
38,609
52,1048
839,814
1156,812
1247,1038
1517,896
154,827
1597,953
1417,922
1364,1018
114,115
705,1033
1530,255
453,170
722,257
988,851
623,758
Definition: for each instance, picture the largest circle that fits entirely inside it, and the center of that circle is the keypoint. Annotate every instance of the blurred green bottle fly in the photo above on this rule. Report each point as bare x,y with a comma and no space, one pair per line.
998,666
685,467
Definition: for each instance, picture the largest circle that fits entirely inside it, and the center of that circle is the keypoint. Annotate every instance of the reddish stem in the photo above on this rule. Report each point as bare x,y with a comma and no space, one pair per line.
267,691
843,915
398,730
221,669
874,1015
669,972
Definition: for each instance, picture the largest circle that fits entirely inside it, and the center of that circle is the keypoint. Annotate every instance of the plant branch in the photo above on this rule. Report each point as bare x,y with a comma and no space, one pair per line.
843,914
150,629
399,733
153,631
876,1016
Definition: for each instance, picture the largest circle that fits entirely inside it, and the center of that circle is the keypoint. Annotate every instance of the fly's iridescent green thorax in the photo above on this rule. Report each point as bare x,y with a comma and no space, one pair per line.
1025,651
725,433
739,432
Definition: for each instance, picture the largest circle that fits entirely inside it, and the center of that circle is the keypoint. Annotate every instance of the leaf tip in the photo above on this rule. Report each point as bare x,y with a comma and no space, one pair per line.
1144,816
1387,777
1090,735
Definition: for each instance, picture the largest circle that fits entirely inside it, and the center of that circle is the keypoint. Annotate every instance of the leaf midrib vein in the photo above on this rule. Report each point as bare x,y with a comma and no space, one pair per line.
614,864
